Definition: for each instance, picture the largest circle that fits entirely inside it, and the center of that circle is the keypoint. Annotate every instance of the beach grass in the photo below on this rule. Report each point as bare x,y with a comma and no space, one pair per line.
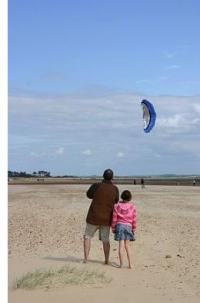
66,275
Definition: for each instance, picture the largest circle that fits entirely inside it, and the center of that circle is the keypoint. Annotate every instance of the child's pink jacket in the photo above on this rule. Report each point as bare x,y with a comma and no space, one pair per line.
124,213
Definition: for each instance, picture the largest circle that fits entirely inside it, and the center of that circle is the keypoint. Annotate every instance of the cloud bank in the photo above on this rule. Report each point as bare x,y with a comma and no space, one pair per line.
80,134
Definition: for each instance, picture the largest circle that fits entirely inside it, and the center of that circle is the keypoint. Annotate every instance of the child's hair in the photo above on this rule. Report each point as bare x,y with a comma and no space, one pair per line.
126,195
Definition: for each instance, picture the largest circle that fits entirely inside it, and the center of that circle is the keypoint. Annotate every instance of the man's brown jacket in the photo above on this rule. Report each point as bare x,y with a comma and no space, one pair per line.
104,195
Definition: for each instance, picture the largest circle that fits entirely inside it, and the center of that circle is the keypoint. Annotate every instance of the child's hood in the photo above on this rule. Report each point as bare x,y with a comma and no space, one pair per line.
124,206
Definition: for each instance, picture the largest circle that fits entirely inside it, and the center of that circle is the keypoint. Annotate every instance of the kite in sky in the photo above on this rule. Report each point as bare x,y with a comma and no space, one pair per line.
149,115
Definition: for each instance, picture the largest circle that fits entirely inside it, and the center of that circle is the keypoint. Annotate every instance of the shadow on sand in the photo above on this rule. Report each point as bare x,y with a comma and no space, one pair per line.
77,260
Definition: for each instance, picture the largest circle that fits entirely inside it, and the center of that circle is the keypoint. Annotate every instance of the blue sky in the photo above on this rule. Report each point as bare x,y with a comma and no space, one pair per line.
77,73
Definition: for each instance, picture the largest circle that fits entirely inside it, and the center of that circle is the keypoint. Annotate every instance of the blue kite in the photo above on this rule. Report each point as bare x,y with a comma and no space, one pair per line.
149,115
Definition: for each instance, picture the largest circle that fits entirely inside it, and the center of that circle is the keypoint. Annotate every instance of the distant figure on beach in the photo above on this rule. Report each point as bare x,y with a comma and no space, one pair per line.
142,183
104,195
124,225
134,182
194,182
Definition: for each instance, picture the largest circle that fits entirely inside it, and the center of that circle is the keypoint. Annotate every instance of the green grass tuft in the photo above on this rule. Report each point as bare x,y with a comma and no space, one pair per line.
61,277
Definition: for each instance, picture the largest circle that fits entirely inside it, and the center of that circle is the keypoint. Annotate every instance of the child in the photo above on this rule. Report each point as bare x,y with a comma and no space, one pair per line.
124,224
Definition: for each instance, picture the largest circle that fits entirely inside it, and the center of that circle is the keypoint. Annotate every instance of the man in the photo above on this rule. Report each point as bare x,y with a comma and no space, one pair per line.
142,183
104,195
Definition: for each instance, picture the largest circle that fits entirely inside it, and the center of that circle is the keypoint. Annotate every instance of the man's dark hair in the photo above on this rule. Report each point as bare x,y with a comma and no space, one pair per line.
126,195
108,174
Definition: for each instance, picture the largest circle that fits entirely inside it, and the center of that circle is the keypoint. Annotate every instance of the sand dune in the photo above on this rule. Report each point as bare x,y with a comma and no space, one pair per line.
46,223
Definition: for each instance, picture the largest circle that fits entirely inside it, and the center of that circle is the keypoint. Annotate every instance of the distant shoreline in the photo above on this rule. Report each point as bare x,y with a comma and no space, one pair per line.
176,181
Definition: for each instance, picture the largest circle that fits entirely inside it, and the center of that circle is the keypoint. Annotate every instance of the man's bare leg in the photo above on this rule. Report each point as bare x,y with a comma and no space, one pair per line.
86,245
106,249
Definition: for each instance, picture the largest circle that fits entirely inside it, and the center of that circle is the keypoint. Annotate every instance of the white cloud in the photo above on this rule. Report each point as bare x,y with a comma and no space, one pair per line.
173,66
169,55
179,123
175,121
191,147
60,151
197,108
39,153
162,78
34,154
142,81
87,152
157,155
120,154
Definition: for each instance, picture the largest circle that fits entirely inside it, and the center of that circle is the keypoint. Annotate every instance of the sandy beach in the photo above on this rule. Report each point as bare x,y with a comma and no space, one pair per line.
46,225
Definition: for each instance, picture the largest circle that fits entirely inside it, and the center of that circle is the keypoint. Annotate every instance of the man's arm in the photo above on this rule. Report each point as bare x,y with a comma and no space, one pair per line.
114,220
117,194
91,190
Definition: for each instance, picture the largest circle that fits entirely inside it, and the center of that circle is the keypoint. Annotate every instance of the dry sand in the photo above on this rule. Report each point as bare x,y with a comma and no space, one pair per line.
46,223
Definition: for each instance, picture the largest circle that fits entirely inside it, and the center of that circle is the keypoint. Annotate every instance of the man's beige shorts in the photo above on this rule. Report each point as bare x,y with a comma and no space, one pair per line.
104,232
